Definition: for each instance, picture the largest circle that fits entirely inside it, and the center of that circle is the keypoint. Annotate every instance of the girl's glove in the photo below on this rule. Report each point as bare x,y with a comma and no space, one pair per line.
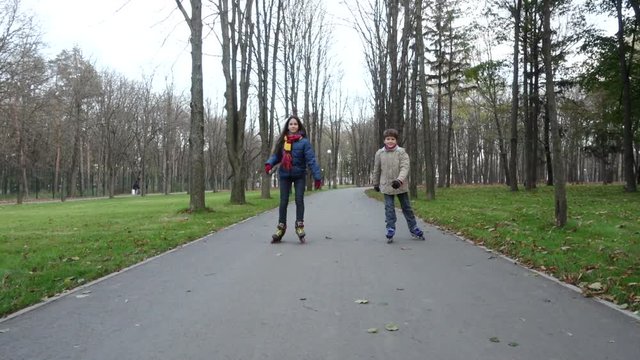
396,184
267,168
317,184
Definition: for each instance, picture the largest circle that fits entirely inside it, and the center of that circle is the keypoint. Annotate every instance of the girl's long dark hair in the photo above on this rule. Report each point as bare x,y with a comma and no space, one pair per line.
277,148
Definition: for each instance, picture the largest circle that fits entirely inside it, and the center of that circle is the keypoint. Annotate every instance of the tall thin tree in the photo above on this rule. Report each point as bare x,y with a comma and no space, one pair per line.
196,133
237,41
558,159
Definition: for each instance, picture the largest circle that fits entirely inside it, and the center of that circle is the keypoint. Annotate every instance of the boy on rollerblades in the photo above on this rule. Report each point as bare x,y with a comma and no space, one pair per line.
390,171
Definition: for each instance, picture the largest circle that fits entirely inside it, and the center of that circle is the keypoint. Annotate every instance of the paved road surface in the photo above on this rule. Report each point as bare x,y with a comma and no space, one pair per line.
232,295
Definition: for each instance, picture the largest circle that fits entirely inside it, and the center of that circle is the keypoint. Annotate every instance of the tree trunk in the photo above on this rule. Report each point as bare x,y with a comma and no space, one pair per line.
635,4
558,159
513,162
629,165
413,131
196,131
420,58
547,147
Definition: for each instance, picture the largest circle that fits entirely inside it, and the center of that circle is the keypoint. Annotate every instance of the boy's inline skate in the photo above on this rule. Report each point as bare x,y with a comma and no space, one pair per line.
417,233
300,231
390,233
277,236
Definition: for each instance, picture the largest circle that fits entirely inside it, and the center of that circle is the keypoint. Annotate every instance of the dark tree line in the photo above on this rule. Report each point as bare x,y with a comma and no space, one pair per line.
467,115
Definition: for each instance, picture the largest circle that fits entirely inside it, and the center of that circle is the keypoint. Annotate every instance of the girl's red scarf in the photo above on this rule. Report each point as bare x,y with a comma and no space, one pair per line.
287,160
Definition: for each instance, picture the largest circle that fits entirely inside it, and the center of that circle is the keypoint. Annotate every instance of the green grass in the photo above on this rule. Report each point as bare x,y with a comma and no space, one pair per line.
599,244
46,248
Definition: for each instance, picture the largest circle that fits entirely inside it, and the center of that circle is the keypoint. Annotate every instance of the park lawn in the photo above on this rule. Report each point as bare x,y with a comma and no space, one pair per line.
598,250
47,248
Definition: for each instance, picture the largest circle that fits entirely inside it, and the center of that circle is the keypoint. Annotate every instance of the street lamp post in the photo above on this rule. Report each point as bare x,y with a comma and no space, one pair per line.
329,177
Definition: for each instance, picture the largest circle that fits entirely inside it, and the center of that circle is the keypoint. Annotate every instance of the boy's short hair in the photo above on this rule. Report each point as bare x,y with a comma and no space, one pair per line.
391,133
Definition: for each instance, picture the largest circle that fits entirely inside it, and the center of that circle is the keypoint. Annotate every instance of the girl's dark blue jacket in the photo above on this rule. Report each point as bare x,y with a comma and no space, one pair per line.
302,156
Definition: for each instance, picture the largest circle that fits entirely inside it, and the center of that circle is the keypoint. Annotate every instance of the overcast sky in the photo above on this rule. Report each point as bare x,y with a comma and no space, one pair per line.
150,38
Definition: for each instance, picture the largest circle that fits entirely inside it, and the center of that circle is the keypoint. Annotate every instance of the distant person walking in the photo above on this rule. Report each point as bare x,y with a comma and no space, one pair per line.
294,153
390,172
135,188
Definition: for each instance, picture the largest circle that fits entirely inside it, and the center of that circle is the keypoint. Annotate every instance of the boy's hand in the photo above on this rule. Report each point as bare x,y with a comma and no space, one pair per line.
267,168
396,184
376,188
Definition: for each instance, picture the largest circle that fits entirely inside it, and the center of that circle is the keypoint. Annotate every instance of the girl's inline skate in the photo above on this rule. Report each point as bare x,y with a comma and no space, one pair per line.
277,236
300,231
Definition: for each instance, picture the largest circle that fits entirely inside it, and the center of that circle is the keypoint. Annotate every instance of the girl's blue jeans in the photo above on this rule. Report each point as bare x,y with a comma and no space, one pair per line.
390,211
286,183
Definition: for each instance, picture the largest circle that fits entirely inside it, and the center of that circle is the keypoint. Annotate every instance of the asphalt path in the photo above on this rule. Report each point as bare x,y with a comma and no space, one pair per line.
233,295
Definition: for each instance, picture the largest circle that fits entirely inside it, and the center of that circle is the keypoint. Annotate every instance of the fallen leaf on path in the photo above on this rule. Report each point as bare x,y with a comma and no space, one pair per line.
372,330
494,339
513,344
2,331
362,301
84,294
391,327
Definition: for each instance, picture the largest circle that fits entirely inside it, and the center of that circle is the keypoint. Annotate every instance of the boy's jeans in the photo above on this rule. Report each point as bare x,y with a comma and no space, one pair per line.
390,211
285,189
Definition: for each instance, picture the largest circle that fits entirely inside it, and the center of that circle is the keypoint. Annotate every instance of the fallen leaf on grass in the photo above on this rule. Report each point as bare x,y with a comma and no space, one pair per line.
597,286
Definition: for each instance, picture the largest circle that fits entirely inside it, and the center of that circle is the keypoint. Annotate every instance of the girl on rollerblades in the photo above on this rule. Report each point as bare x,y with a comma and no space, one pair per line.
294,153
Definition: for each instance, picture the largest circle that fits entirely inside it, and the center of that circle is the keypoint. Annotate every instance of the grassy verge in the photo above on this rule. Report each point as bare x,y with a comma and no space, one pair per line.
46,248
598,250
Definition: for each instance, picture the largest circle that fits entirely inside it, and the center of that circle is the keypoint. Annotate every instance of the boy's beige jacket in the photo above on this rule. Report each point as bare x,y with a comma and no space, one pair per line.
388,166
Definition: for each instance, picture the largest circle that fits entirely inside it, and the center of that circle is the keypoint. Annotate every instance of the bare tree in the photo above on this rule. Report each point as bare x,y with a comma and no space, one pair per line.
237,36
78,83
196,134
268,23
370,25
23,74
